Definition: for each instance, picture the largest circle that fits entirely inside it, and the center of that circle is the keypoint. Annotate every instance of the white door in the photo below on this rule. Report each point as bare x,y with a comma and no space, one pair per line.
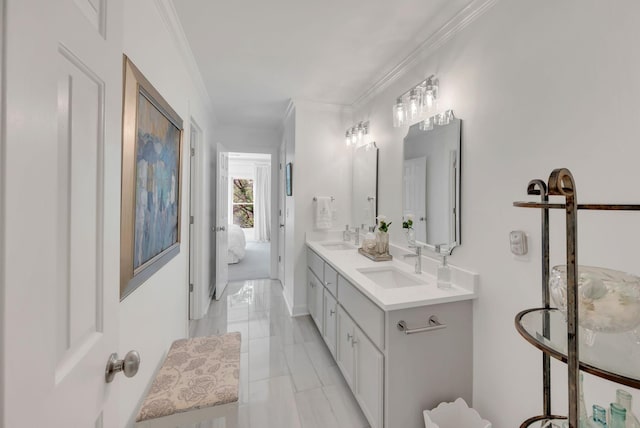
369,378
345,354
222,221
193,194
61,212
329,330
281,210
415,202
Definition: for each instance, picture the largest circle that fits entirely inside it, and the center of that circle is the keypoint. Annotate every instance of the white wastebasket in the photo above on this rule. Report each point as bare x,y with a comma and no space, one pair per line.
454,415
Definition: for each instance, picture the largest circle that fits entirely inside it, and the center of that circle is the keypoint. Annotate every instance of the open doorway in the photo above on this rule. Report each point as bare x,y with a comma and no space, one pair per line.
249,209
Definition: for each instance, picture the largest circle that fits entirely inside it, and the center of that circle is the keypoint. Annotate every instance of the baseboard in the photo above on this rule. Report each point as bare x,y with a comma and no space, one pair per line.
300,310
286,302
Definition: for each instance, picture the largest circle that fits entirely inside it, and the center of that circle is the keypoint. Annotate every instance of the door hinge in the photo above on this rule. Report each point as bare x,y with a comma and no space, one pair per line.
280,213
193,151
190,288
190,219
279,259
280,166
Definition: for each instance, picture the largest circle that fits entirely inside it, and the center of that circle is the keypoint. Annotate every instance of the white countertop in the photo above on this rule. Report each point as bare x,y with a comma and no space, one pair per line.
347,263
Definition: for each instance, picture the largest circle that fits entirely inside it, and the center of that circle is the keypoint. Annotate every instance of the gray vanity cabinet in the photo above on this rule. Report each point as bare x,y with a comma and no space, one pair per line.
394,376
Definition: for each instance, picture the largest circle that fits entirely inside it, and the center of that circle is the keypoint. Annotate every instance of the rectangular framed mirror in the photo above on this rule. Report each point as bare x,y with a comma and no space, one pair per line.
364,206
431,184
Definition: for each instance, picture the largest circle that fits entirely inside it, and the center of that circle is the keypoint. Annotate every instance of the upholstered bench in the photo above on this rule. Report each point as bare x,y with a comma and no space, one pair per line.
198,381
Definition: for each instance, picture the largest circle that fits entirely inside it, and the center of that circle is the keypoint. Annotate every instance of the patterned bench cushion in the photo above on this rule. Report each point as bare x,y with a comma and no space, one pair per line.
197,373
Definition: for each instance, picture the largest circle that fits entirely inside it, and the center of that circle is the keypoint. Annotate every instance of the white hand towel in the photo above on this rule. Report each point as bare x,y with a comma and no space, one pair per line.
323,213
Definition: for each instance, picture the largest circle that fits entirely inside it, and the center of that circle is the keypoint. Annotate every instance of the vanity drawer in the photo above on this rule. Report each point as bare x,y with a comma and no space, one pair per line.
364,312
316,264
331,279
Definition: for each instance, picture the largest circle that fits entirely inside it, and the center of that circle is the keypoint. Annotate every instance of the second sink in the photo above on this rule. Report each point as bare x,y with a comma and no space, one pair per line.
392,277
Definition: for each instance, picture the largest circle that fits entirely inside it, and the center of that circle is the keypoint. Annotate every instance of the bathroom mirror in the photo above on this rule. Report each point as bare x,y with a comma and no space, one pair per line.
431,184
364,204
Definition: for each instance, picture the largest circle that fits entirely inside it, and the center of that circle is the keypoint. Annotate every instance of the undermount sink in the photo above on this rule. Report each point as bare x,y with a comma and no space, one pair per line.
392,277
335,246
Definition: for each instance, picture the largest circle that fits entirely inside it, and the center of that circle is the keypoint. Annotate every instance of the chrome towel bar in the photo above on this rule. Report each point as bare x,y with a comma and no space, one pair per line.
315,199
434,324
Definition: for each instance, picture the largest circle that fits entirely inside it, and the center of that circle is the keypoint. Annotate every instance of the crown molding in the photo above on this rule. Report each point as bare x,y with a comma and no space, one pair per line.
171,21
455,25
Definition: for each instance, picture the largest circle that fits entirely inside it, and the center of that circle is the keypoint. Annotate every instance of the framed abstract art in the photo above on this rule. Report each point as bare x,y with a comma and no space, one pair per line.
151,181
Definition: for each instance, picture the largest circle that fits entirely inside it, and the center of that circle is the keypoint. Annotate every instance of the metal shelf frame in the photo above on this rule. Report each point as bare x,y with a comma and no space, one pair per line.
561,183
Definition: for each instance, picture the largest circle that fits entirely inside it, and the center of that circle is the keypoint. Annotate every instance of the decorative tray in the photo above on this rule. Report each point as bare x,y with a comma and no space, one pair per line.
376,257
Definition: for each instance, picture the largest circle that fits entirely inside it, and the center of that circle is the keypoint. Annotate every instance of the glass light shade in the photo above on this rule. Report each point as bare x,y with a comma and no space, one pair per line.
427,124
399,114
347,136
414,105
360,133
354,135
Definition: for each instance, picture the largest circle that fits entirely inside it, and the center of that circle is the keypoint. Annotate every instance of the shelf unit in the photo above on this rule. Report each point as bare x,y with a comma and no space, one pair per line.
545,327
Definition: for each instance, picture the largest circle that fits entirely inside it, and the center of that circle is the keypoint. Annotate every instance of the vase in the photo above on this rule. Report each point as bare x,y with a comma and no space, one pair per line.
382,242
411,237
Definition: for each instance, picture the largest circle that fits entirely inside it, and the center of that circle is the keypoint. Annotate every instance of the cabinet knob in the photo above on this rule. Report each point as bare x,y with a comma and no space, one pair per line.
349,337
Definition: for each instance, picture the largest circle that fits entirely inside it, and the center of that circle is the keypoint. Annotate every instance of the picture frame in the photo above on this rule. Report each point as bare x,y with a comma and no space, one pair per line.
288,174
151,181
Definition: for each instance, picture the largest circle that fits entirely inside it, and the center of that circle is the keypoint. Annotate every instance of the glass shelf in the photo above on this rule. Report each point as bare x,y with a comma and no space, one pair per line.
551,421
615,357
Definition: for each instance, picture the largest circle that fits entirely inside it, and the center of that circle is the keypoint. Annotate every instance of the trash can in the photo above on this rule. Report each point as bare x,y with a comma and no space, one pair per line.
454,415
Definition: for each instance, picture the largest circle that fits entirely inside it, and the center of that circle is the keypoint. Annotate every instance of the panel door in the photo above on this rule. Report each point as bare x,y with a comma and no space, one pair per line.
369,378
222,221
345,356
329,329
61,221
414,198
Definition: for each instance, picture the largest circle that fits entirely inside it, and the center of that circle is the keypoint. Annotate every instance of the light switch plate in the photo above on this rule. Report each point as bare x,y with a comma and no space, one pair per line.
518,242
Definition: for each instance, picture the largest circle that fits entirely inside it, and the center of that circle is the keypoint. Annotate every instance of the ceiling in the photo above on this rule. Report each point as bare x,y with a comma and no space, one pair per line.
255,55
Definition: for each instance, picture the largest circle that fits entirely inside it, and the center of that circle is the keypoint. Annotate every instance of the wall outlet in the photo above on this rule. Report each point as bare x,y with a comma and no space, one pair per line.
518,242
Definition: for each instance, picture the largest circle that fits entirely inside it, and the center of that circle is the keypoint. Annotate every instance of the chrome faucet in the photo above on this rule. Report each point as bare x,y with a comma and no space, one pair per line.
418,257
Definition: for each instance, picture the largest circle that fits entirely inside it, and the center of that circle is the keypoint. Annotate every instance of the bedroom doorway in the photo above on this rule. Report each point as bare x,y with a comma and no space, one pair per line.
249,208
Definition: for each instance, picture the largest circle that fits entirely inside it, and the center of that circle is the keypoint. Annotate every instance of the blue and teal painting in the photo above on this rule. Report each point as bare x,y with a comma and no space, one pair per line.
157,183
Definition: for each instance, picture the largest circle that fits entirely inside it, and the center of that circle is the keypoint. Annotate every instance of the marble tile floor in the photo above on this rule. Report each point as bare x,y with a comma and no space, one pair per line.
288,378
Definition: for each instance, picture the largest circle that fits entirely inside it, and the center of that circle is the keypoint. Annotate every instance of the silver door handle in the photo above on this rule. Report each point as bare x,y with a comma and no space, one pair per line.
331,312
281,225
349,337
221,229
129,365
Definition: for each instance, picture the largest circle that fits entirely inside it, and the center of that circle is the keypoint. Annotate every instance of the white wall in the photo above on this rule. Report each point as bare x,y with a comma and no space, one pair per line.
156,313
321,167
247,139
538,85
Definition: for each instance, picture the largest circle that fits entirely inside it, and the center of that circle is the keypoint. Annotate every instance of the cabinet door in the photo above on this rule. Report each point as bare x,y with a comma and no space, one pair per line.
319,309
369,378
344,348
312,284
330,315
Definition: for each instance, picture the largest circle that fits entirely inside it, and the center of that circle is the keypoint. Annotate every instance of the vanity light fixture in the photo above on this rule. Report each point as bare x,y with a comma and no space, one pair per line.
416,102
357,134
440,119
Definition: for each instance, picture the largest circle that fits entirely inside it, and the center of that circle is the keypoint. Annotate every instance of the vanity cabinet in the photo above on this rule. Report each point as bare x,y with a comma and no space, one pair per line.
394,376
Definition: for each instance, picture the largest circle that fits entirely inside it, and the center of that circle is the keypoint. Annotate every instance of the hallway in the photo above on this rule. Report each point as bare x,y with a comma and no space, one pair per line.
288,378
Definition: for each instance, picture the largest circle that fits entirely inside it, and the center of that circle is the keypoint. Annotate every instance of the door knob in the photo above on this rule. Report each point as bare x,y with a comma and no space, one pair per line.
281,225
129,365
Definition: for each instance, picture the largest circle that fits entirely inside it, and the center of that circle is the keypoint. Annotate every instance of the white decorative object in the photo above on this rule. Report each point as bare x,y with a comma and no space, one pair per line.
454,415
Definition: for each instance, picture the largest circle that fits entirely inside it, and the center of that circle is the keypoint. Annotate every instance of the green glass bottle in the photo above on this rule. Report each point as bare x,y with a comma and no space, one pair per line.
618,416
599,417
623,398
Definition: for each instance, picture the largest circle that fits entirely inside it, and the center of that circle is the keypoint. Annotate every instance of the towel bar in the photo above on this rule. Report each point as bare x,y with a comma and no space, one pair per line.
434,324
315,199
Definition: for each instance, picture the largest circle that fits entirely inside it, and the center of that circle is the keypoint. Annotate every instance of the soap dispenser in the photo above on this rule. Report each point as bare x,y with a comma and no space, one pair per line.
346,235
444,272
